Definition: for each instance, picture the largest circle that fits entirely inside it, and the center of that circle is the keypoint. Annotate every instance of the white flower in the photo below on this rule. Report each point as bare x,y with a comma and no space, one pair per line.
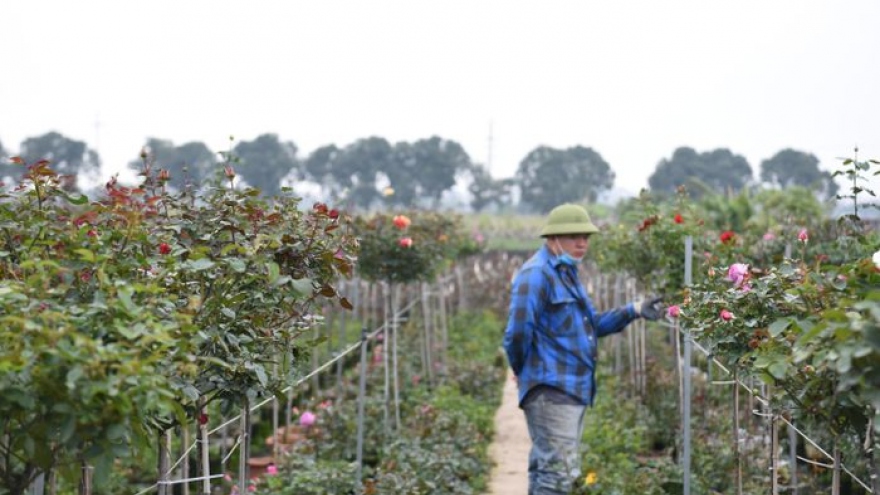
876,259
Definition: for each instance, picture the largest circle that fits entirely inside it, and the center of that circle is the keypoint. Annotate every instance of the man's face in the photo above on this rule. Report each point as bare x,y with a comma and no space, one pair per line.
574,244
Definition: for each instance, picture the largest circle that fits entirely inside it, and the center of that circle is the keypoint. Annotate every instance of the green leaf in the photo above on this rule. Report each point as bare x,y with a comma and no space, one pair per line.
762,362
302,286
201,264
237,265
261,374
115,432
228,313
76,200
85,254
274,271
778,326
190,392
778,369
68,427
844,363
125,297
73,376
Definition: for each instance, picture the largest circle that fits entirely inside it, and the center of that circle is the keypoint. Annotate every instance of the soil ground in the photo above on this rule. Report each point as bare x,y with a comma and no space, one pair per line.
510,449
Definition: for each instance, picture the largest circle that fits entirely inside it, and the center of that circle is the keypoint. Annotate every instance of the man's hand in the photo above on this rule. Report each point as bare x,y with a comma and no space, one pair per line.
650,309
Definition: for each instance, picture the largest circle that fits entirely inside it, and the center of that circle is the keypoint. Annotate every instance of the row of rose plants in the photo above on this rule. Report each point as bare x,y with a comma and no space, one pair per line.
808,325
441,445
124,316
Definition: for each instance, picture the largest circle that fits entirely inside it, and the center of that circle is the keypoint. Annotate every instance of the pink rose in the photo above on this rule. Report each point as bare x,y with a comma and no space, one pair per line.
673,311
803,235
737,273
307,419
769,236
405,242
726,315
271,469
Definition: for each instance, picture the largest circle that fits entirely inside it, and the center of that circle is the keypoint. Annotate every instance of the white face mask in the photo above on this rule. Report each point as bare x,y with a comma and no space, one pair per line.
564,257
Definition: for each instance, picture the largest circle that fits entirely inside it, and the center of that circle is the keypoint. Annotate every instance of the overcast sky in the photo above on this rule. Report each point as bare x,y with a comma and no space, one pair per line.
631,79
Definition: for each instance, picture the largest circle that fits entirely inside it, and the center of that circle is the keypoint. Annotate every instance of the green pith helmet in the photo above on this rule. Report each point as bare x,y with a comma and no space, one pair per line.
568,219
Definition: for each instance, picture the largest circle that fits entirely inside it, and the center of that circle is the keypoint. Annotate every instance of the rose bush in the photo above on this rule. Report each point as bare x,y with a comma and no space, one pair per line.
411,246
648,242
808,326
118,315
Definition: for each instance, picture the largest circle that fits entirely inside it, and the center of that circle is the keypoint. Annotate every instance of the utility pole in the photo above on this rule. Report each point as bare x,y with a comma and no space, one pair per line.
491,144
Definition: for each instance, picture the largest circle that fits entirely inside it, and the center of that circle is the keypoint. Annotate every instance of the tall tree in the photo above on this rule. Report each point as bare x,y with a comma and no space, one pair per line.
189,164
265,161
69,157
401,172
796,168
356,166
318,166
790,206
702,173
549,176
486,191
7,169
438,161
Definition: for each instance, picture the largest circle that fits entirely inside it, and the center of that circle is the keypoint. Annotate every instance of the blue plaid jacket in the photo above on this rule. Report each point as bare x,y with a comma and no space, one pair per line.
552,330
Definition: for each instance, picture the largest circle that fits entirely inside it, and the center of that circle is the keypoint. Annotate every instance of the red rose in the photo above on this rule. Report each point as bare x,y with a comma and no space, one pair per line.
203,419
727,237
401,221
334,214
164,248
678,218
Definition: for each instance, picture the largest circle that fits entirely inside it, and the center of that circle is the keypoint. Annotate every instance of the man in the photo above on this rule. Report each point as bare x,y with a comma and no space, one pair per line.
551,342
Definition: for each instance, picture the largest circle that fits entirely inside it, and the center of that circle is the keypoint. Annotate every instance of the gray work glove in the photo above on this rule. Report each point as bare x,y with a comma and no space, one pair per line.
649,309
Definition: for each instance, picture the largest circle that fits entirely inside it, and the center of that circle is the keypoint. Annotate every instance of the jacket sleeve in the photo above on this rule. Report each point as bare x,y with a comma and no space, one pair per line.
525,303
614,320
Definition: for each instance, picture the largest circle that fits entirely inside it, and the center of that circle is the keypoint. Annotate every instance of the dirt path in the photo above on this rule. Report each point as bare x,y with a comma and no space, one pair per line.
510,449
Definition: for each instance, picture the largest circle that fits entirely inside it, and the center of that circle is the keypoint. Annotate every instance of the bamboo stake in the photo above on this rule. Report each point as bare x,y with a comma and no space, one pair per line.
737,446
386,298
792,458
184,464
835,475
243,448
444,329
85,487
203,449
395,307
164,462
774,453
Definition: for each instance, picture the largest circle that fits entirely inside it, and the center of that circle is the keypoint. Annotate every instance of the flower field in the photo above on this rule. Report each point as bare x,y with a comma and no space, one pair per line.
145,334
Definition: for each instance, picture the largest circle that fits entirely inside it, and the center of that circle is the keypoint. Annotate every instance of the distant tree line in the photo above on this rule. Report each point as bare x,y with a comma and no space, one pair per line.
372,172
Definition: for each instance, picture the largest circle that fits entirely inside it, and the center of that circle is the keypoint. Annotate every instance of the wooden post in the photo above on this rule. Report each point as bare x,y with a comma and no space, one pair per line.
85,485
244,447
164,462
